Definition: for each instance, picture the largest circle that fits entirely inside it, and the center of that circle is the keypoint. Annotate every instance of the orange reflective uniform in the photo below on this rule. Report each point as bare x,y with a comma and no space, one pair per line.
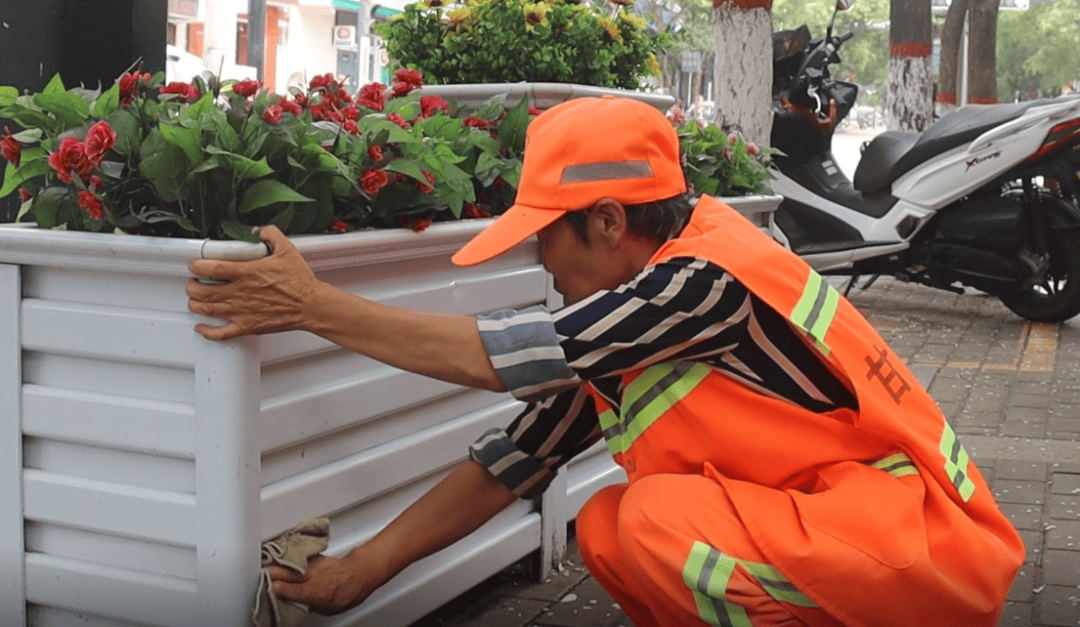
747,510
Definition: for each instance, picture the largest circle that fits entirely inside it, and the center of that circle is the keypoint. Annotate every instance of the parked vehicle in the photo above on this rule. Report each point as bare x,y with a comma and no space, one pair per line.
985,198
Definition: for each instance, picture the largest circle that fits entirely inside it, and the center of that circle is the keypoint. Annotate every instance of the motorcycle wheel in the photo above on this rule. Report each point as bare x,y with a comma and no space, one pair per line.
1056,298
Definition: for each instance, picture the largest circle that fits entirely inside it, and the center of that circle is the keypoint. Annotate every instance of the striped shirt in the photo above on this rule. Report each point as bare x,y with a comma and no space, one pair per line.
683,309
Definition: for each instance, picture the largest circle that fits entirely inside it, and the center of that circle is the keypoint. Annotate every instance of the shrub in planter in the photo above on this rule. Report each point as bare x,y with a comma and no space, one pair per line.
507,41
213,160
722,164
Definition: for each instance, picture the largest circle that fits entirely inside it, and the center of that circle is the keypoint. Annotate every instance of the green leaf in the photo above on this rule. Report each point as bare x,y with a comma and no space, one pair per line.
491,108
29,136
14,177
55,85
239,231
8,94
267,192
284,219
441,126
107,103
512,129
24,209
187,139
47,204
408,167
128,136
163,164
69,108
244,167
112,169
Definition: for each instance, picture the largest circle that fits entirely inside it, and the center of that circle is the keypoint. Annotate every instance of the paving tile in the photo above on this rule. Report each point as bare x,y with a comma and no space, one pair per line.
1060,606
1016,615
1027,471
1040,401
1065,483
588,605
1064,507
1065,535
1013,491
496,611
1061,568
1023,586
1023,515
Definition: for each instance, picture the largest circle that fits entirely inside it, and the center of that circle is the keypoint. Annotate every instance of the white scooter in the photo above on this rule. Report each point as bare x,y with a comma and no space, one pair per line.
985,198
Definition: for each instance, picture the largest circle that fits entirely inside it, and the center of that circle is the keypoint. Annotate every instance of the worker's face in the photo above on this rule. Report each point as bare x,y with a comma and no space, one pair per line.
580,270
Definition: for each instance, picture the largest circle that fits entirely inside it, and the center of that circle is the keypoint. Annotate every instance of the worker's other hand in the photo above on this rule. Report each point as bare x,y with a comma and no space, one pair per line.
260,296
329,586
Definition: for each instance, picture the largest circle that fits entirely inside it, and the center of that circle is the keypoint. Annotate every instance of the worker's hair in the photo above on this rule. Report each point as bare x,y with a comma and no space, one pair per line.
657,221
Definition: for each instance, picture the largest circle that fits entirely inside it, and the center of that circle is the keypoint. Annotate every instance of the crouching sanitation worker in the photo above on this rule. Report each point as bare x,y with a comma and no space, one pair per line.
784,467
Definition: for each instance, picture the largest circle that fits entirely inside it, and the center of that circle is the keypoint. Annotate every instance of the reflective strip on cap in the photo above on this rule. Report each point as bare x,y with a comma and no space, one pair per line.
606,171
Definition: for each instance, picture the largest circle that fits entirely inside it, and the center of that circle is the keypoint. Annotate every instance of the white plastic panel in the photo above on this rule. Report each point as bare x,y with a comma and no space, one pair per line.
12,591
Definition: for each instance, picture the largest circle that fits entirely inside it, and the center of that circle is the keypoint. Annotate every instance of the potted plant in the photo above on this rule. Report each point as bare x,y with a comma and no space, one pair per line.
143,465
550,50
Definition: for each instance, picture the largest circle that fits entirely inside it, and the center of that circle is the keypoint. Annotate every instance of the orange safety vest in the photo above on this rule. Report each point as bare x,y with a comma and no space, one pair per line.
877,515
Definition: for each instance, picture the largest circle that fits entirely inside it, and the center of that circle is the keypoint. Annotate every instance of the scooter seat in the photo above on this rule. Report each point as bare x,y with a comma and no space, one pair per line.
892,153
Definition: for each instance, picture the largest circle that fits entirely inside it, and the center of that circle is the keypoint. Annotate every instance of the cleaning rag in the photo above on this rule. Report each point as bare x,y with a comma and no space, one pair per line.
291,550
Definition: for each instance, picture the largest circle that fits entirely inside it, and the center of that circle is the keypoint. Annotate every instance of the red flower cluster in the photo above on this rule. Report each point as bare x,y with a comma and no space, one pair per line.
129,85
186,92
372,96
429,105
374,180
416,224
10,148
92,205
272,113
246,88
405,81
74,157
427,189
339,226
397,119
474,211
476,122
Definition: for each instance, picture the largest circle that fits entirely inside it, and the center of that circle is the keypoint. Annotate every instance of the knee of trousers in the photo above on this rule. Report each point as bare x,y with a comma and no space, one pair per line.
596,527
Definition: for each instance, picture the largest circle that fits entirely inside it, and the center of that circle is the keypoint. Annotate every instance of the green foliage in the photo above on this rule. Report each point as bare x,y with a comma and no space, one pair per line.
497,41
722,164
866,55
213,163
1037,49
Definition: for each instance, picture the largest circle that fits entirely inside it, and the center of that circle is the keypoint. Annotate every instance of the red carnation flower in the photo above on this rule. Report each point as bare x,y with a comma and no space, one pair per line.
246,88
25,195
374,180
419,224
372,96
301,99
70,158
351,113
533,110
339,225
405,81
10,148
350,127
129,85
272,114
476,122
375,152
322,81
99,140
427,189
96,182
91,204
397,119
474,211
289,106
186,92
429,105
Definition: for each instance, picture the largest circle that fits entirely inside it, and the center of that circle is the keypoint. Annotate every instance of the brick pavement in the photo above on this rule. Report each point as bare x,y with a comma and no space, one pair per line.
1009,387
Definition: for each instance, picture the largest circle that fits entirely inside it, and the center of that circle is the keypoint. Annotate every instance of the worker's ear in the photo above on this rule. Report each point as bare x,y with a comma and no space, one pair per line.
608,222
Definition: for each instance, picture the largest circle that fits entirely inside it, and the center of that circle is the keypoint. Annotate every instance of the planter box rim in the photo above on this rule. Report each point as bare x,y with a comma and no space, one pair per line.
542,95
23,243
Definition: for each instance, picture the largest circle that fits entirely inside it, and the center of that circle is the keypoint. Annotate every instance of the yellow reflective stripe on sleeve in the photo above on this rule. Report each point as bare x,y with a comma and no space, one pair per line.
816,309
707,573
898,465
956,463
612,428
648,397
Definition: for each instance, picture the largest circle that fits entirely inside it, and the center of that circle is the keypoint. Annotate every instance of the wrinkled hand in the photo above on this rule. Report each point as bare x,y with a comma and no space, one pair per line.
330,585
261,296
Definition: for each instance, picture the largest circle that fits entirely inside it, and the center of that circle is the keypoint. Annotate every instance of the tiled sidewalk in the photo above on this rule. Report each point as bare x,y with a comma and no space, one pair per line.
1009,387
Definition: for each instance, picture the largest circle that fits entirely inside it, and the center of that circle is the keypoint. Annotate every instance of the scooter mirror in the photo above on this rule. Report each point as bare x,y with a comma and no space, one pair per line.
844,5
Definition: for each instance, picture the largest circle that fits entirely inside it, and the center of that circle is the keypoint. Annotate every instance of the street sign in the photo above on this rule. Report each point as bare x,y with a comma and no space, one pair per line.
690,61
344,36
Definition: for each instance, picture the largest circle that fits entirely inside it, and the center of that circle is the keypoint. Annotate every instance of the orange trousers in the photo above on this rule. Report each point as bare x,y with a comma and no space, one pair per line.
672,551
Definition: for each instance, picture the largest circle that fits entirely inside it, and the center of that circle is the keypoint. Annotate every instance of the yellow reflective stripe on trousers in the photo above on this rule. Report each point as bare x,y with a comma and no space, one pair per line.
898,465
956,463
707,573
816,309
647,397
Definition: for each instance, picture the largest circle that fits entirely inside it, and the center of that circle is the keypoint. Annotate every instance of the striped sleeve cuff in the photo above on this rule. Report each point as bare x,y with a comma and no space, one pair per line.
524,474
525,352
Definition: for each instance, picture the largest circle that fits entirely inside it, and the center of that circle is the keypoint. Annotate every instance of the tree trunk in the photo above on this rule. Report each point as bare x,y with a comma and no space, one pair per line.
742,72
952,36
982,69
909,105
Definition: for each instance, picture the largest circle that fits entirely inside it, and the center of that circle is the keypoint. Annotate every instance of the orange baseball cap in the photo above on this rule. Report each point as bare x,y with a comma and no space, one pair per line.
577,153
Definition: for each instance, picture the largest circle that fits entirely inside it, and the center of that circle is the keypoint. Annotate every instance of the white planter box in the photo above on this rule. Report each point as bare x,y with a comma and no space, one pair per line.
141,465
541,95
